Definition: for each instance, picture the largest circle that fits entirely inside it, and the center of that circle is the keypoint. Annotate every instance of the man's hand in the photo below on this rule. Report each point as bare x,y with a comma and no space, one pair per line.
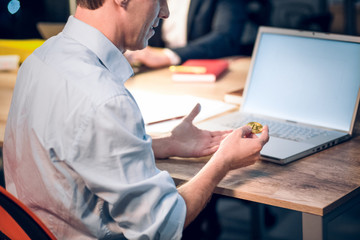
186,140
242,148
149,56
190,141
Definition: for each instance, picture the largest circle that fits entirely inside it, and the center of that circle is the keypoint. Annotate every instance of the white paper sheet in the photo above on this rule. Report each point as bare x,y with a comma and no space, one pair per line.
158,107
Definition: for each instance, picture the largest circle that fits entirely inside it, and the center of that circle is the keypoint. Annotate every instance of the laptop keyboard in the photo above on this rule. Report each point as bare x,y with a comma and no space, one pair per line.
280,129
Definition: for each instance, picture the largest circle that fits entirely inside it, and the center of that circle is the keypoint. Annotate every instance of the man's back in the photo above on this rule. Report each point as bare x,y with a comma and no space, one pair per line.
75,143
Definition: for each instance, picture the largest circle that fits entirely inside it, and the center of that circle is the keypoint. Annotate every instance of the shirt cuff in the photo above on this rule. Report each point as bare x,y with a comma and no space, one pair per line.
174,58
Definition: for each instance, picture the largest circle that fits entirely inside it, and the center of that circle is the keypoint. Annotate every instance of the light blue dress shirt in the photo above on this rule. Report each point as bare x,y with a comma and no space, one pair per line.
75,148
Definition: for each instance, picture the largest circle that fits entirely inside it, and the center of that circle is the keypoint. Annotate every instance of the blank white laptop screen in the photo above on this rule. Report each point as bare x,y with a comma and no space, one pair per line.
290,70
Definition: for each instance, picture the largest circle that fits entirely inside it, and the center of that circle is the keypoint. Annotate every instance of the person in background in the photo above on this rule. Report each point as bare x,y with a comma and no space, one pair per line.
76,151
196,29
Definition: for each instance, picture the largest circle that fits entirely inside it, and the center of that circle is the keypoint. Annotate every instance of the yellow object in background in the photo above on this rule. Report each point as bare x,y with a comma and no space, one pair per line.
188,69
23,48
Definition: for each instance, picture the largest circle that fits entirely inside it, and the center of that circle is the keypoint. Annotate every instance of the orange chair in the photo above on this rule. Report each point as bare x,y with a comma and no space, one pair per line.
18,222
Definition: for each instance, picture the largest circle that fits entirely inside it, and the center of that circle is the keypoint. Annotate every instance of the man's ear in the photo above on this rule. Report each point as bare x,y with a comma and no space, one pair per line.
122,3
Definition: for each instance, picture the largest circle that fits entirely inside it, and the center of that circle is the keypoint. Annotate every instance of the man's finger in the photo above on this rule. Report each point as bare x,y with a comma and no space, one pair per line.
196,110
246,131
265,134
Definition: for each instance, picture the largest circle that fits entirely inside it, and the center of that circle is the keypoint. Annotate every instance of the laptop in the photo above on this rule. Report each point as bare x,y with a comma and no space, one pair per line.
304,86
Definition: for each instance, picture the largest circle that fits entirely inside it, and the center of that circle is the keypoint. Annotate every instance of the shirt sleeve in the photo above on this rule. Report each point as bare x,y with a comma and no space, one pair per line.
113,155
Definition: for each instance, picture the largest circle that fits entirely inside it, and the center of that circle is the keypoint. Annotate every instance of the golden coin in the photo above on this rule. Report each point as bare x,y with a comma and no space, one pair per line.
255,127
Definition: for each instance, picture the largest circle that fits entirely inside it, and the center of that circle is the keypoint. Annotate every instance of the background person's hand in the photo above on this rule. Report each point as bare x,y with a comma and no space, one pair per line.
149,56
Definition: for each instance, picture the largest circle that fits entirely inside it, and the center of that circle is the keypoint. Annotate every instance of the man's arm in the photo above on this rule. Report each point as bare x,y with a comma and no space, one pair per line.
235,149
239,149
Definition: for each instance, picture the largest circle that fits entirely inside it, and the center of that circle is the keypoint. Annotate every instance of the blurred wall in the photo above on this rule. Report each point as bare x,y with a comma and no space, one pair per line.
22,24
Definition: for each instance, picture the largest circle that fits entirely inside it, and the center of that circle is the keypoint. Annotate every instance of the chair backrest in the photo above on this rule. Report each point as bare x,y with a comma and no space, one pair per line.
18,222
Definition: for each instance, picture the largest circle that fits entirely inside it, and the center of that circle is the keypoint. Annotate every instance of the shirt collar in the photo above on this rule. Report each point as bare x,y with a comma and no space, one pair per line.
105,50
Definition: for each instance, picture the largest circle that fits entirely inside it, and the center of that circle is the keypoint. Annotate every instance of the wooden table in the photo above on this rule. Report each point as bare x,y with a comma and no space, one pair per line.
321,186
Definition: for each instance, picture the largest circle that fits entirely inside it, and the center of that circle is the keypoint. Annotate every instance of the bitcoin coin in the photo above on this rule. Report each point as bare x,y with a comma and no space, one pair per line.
255,127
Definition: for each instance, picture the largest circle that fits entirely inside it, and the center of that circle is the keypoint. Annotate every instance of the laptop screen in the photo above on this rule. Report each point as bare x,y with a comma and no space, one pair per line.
304,79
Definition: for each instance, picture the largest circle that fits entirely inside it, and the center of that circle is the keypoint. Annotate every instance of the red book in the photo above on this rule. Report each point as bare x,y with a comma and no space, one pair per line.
199,70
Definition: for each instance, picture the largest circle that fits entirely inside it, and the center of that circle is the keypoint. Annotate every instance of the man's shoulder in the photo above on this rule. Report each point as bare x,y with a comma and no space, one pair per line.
61,49
67,58
64,61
